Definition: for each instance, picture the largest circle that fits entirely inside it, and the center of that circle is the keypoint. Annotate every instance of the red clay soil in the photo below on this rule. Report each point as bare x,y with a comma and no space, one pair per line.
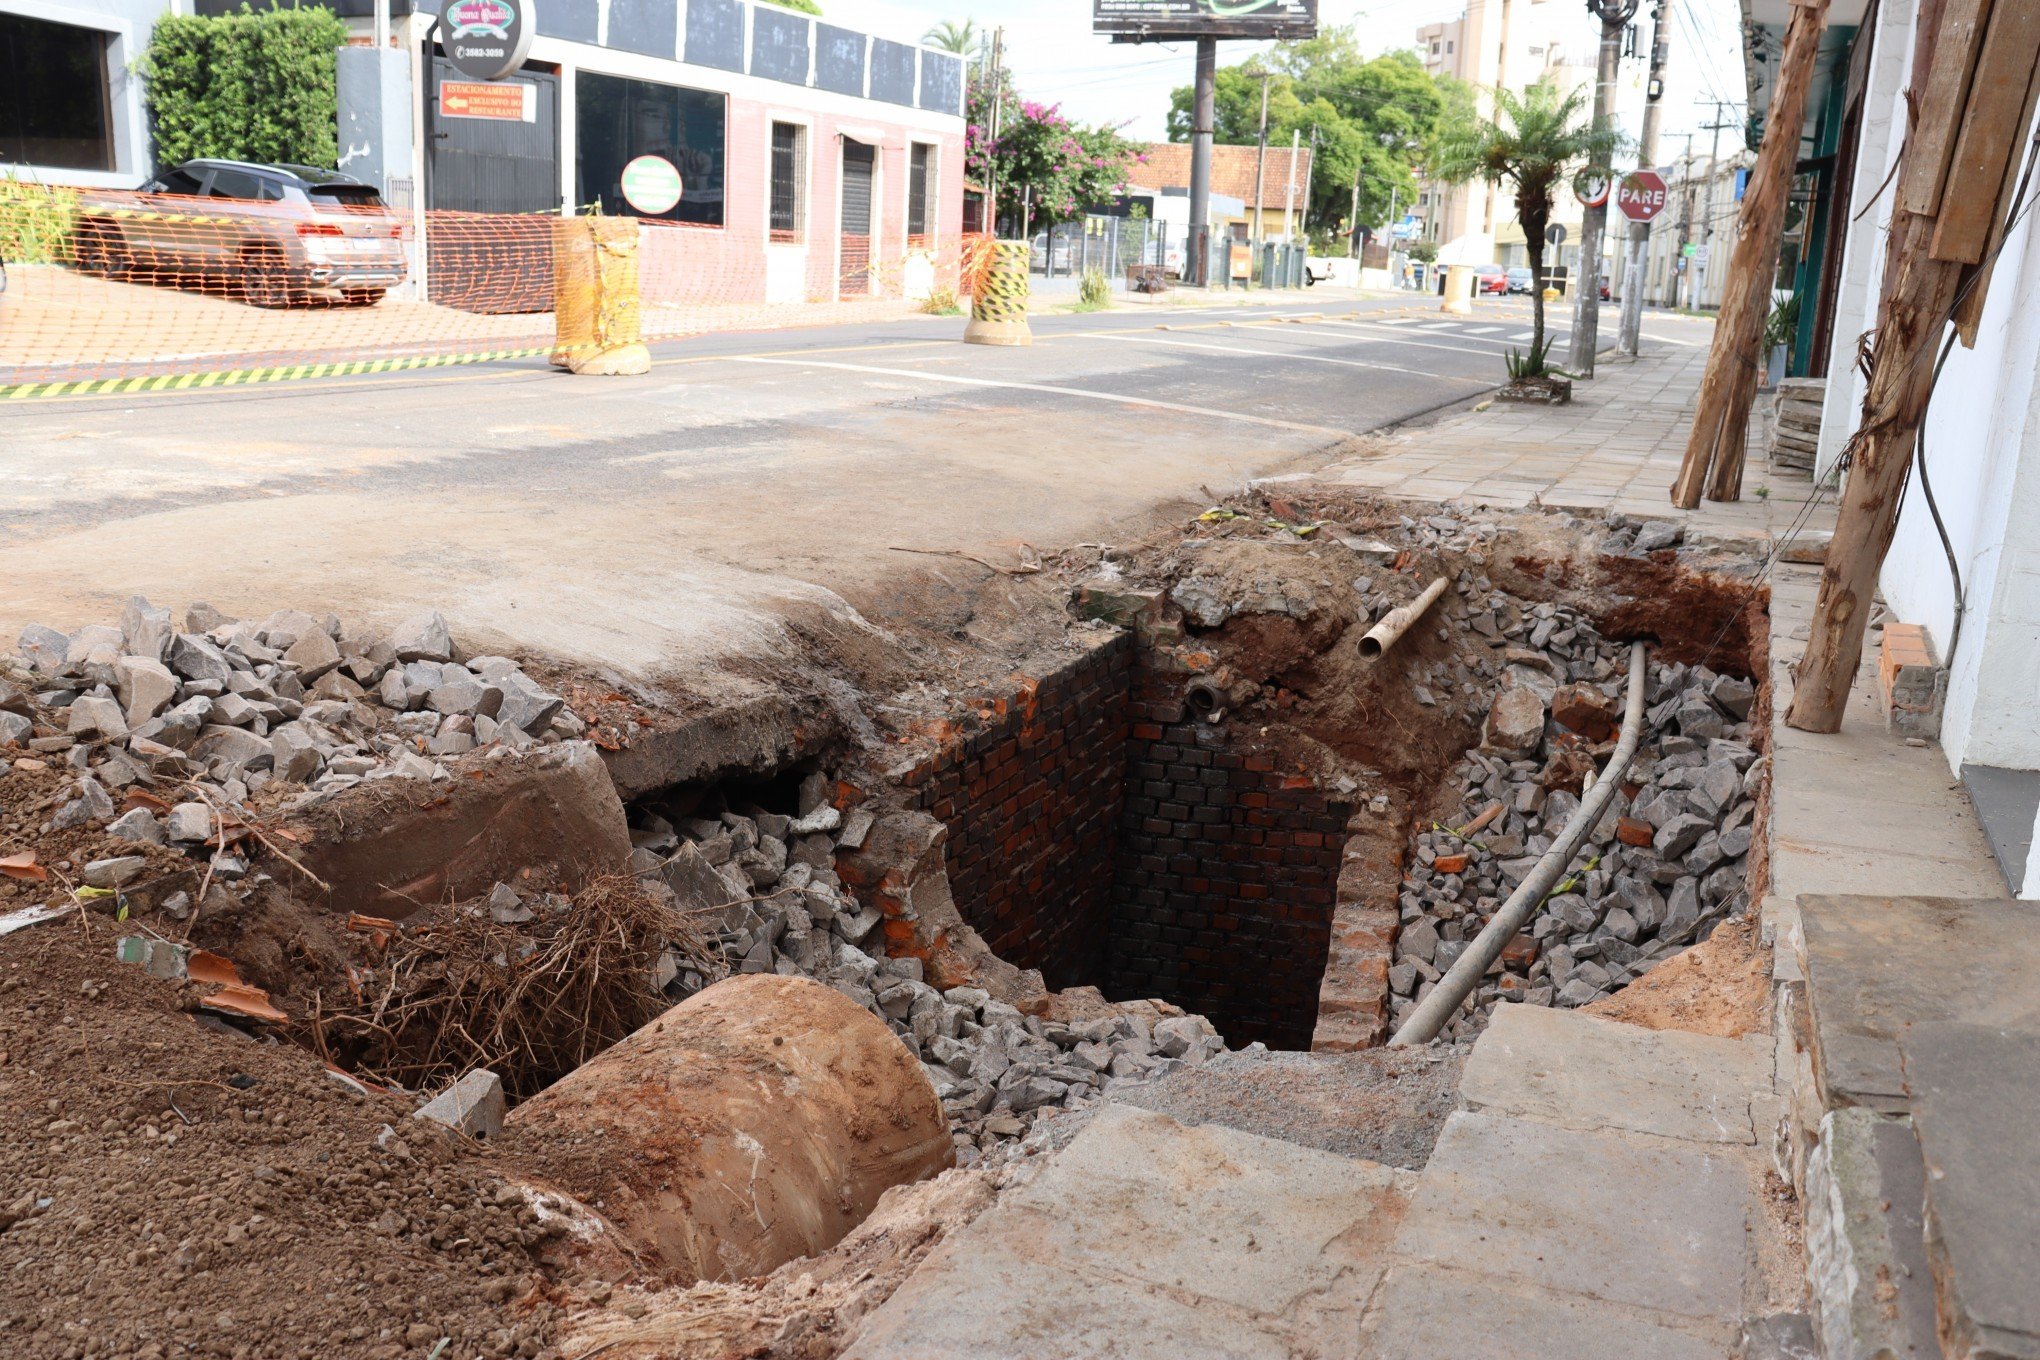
1718,987
172,1190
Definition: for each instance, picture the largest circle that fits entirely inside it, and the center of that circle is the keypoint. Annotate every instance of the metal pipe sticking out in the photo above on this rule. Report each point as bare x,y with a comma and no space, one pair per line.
1465,974
1383,635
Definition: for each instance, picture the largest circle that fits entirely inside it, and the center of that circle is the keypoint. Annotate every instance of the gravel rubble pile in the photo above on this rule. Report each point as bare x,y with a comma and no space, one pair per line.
1664,865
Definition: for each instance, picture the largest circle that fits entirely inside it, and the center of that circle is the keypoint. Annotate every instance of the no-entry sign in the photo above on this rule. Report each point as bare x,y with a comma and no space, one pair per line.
1642,195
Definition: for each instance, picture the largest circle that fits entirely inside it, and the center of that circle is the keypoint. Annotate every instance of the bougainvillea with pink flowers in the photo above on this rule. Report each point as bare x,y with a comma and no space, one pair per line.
1055,168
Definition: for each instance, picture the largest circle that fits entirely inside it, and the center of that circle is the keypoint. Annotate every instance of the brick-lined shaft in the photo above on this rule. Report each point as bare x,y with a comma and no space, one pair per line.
1226,875
1032,805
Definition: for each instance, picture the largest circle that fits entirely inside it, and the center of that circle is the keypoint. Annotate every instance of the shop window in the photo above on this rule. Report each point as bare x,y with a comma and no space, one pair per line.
789,163
619,120
920,168
54,110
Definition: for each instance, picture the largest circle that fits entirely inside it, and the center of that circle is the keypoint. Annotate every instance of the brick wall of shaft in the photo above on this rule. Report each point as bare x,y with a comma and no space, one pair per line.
1226,878
1032,803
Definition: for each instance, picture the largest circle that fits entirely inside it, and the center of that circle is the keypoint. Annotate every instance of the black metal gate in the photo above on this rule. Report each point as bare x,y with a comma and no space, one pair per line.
858,163
484,156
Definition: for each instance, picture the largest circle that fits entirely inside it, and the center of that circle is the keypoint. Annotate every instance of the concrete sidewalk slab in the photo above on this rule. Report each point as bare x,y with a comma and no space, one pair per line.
1148,1238
1972,1096
1653,1223
1876,966
1583,1072
1430,1312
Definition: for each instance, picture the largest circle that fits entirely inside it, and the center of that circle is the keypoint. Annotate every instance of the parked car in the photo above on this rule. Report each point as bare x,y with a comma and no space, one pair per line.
1490,278
1317,269
275,235
1521,280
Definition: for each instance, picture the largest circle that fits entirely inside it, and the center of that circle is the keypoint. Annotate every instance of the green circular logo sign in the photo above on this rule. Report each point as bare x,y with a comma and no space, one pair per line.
651,185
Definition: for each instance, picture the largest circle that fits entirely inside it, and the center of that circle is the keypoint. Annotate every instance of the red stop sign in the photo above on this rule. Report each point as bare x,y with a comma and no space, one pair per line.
1642,195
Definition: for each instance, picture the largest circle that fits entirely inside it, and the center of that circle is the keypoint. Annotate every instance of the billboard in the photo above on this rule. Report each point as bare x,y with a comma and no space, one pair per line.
1135,19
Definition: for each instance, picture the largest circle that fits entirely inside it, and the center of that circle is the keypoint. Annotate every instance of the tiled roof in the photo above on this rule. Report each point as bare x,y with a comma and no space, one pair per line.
1232,171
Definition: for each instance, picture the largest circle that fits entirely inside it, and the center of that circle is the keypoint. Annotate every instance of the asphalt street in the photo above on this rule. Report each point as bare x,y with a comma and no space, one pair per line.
628,521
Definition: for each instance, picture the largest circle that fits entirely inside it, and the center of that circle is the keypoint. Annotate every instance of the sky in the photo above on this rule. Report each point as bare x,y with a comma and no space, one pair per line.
1055,57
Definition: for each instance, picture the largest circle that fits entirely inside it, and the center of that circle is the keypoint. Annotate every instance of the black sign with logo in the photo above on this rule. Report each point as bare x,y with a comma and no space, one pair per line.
1159,19
486,39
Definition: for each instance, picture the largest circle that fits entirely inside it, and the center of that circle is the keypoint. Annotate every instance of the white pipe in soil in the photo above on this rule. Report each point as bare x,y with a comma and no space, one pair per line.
1383,635
1465,974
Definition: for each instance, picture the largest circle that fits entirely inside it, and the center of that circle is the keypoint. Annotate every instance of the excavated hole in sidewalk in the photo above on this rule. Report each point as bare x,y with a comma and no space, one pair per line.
1226,807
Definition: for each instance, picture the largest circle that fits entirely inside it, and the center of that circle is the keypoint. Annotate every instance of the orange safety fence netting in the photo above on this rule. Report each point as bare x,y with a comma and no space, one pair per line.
118,287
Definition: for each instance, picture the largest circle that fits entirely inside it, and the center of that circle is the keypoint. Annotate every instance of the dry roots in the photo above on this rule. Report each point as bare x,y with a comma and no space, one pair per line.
530,1002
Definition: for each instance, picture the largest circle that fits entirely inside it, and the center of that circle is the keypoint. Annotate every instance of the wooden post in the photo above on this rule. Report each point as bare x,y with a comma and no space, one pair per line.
1721,419
1988,76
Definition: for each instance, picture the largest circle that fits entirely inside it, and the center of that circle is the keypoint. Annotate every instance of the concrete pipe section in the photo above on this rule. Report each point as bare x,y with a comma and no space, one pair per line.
756,1122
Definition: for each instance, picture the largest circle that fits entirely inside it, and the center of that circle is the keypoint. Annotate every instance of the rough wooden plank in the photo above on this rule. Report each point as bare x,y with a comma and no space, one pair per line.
1991,132
1975,285
1931,142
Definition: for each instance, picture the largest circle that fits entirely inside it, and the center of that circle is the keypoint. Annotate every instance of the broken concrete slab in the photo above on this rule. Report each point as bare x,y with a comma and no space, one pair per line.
433,840
1584,1072
474,1105
1971,1088
1148,1238
1875,966
1627,1218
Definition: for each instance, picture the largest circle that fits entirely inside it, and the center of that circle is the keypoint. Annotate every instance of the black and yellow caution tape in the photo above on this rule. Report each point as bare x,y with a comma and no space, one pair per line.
183,219
1002,296
237,377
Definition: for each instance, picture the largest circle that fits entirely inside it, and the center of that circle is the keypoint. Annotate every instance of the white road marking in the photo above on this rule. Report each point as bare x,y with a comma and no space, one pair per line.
1459,335
1274,354
1115,397
1396,338
1485,330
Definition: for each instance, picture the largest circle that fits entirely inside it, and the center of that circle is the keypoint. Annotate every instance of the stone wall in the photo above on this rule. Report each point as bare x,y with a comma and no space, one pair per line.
1226,875
1031,796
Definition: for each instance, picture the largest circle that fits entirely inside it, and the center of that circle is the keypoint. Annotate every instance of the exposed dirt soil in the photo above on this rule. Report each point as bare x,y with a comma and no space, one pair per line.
172,1189
1721,986
807,1309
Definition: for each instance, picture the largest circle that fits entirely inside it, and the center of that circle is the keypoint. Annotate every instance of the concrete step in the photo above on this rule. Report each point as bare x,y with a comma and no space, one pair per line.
1617,1243
1147,1238
1596,1198
1580,1071
1866,1255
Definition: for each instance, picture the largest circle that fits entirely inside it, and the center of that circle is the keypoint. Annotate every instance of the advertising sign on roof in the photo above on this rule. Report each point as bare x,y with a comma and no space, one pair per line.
1163,19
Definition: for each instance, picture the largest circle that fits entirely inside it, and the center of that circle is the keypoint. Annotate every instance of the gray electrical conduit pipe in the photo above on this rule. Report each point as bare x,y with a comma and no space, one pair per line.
1436,1009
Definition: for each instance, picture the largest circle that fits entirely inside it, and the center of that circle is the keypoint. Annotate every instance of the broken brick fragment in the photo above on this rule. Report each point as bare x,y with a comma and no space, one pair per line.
1630,831
1450,864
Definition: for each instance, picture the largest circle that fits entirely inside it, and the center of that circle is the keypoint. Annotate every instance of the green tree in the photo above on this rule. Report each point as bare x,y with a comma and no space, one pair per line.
963,38
253,86
804,6
1534,141
1366,119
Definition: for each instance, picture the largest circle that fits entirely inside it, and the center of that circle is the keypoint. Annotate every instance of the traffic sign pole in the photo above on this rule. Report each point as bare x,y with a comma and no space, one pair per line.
1629,331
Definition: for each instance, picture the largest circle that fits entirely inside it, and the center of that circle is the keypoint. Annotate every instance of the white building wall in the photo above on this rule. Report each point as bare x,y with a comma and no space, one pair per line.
1982,456
126,24
1883,130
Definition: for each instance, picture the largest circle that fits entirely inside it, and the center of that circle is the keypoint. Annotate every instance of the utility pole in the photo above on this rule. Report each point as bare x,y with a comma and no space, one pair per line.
1685,214
1614,16
992,137
1289,196
1707,190
1353,223
1629,334
1722,411
1260,231
1203,113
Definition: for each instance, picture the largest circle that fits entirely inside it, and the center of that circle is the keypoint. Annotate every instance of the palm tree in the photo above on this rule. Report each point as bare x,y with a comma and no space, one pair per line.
950,36
1535,140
